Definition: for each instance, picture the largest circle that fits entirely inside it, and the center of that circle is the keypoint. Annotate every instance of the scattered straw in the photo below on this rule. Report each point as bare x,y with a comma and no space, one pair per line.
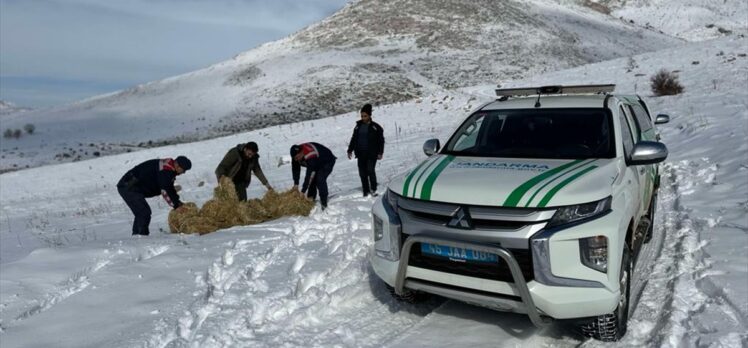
225,210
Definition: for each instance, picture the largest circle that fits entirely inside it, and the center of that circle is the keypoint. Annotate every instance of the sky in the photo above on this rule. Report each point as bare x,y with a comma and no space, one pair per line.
54,52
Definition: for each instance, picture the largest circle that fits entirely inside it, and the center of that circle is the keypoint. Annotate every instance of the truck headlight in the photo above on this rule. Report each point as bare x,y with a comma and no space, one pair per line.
386,243
572,213
594,252
378,228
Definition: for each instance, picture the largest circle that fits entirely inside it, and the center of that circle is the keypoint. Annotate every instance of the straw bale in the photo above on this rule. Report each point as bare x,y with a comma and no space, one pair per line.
226,191
225,210
289,203
178,217
200,225
221,213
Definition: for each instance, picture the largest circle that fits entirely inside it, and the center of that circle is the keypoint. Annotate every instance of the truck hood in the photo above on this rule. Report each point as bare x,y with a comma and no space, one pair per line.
508,182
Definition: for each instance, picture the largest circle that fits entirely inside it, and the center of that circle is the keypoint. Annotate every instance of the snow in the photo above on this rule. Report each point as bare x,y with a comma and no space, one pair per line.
72,276
693,20
7,108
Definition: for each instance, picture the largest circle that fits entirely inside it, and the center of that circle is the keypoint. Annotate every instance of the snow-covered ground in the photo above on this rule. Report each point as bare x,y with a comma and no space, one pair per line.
72,276
693,20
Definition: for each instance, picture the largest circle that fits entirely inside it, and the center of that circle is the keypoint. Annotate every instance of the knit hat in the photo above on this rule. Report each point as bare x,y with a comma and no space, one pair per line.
184,162
252,146
367,109
294,150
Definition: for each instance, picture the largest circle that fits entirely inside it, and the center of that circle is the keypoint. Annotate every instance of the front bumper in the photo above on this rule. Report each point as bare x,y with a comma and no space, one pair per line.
520,295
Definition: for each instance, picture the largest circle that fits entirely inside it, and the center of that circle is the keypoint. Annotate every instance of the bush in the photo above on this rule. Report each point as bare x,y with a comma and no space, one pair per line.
665,83
8,133
597,7
29,128
17,133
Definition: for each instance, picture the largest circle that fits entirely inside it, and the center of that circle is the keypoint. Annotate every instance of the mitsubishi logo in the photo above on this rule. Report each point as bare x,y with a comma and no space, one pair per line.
461,219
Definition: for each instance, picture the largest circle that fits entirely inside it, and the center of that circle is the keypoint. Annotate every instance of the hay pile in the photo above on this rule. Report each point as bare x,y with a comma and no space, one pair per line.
225,210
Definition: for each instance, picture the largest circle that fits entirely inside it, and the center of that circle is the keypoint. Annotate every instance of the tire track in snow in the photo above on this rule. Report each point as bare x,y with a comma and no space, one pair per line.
80,280
76,283
671,293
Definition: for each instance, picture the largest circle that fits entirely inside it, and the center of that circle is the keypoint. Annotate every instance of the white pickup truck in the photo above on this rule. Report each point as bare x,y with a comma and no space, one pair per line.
538,204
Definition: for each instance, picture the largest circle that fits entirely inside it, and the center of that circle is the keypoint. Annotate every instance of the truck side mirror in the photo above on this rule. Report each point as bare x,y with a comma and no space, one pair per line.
648,152
662,118
431,146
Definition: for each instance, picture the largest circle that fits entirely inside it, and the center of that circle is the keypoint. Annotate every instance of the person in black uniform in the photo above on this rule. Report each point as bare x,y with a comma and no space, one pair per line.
149,179
319,162
367,143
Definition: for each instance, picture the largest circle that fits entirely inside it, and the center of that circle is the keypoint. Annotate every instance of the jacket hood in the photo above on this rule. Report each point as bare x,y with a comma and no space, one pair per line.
508,182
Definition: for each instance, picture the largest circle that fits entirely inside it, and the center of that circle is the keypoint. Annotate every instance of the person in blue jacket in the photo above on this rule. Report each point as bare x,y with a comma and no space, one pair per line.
319,162
149,179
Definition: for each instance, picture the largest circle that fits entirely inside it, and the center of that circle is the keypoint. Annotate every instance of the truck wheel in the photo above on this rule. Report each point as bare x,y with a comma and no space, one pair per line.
611,327
408,296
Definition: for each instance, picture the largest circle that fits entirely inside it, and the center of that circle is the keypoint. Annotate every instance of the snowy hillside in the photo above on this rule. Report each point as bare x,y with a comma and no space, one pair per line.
693,20
370,51
7,108
71,276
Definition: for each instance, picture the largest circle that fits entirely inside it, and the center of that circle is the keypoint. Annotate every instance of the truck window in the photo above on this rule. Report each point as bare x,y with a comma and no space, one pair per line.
626,137
576,133
643,123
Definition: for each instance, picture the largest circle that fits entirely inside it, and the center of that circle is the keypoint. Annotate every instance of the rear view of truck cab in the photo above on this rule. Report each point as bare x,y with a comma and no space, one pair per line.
537,204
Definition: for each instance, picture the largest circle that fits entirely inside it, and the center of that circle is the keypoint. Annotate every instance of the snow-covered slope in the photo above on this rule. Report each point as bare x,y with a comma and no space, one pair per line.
378,52
7,108
71,276
693,20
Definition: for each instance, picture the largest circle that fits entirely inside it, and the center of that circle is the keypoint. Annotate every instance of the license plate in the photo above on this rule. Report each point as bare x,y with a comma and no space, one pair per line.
458,254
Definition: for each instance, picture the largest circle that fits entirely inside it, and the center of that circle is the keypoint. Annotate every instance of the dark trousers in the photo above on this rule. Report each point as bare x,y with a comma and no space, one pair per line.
319,183
138,205
241,190
366,170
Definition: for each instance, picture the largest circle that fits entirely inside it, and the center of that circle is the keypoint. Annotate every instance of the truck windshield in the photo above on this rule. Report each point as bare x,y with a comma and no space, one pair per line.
535,133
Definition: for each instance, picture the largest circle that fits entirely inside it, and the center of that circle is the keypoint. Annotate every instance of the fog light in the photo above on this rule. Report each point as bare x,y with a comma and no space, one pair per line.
594,252
378,229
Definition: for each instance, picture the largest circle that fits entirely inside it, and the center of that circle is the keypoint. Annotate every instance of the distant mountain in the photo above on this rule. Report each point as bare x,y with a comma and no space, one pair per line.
373,51
7,107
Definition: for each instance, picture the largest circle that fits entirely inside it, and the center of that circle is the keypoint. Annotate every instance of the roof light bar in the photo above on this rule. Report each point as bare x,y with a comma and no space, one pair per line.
577,89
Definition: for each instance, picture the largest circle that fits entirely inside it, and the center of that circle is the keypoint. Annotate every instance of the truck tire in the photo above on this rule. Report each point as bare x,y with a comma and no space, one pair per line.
408,296
611,327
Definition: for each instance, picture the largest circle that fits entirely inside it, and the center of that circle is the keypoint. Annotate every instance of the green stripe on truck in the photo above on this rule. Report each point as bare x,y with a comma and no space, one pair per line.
520,191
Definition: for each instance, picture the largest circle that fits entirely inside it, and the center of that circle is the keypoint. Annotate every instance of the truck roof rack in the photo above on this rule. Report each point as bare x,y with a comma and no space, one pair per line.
576,89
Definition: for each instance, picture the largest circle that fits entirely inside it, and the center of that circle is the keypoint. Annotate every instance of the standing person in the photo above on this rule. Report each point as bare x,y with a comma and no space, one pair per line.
149,179
367,143
319,162
238,164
